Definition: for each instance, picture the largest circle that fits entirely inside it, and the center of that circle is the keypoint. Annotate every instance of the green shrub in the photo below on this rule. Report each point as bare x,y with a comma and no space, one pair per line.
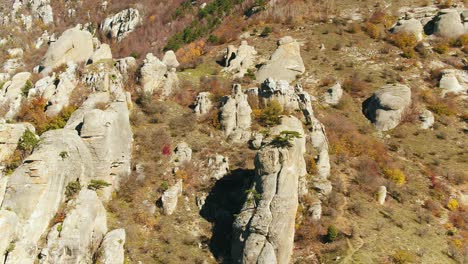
266,32
441,48
270,115
213,39
28,141
332,233
403,256
72,188
97,185
27,86
63,155
283,140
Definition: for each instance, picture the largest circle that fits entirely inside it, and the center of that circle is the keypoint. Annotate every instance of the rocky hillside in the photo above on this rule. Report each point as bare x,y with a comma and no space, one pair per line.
233,131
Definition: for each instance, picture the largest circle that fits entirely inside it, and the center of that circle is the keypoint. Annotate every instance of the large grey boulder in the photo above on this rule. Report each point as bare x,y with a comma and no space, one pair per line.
448,24
37,188
121,24
170,197
112,248
12,94
182,153
239,61
203,103
235,115
263,232
218,167
454,81
333,94
387,105
285,63
74,45
427,119
412,26
80,235
10,135
155,75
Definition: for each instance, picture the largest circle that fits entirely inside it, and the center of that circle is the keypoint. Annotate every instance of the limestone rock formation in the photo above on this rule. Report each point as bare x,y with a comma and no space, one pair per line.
102,53
319,141
333,94
170,59
74,45
9,224
235,115
387,105
112,248
203,103
10,135
239,61
170,197
285,63
382,194
121,24
12,94
454,81
155,75
427,119
264,229
412,26
59,97
218,167
36,189
79,236
42,10
448,24
182,154
124,65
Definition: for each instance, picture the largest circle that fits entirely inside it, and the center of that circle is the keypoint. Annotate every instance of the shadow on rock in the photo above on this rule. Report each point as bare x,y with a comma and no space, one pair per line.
222,204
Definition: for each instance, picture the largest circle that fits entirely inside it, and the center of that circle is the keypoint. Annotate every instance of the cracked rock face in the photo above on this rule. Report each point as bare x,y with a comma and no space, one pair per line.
449,24
157,76
112,247
239,60
235,115
121,24
285,63
203,103
387,105
170,197
264,229
10,135
12,94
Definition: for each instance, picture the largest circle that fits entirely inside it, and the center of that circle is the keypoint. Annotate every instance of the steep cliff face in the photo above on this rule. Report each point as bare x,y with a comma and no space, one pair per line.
264,229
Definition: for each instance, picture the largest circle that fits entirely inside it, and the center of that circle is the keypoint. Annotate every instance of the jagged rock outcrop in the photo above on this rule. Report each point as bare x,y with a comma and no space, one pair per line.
235,115
41,9
74,45
124,65
36,189
333,94
12,94
112,248
387,105
155,75
239,60
257,141
412,26
170,59
10,135
285,63
382,194
263,232
182,154
427,119
449,24
80,235
121,24
170,197
59,98
218,167
319,141
203,103
454,81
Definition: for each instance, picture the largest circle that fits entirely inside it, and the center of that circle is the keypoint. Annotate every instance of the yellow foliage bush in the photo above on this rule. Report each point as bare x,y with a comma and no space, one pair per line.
453,205
372,30
191,52
404,40
395,175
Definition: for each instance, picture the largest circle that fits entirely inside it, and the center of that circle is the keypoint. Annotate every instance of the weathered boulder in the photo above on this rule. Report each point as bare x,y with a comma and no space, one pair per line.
102,53
37,188
319,141
285,63
42,10
382,194
182,154
333,94
170,197
121,24
387,105
218,167
59,98
170,59
102,76
203,103
427,119
239,61
124,65
74,45
257,141
112,248
10,135
155,75
448,24
12,94
412,26
235,115
79,236
263,232
454,81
